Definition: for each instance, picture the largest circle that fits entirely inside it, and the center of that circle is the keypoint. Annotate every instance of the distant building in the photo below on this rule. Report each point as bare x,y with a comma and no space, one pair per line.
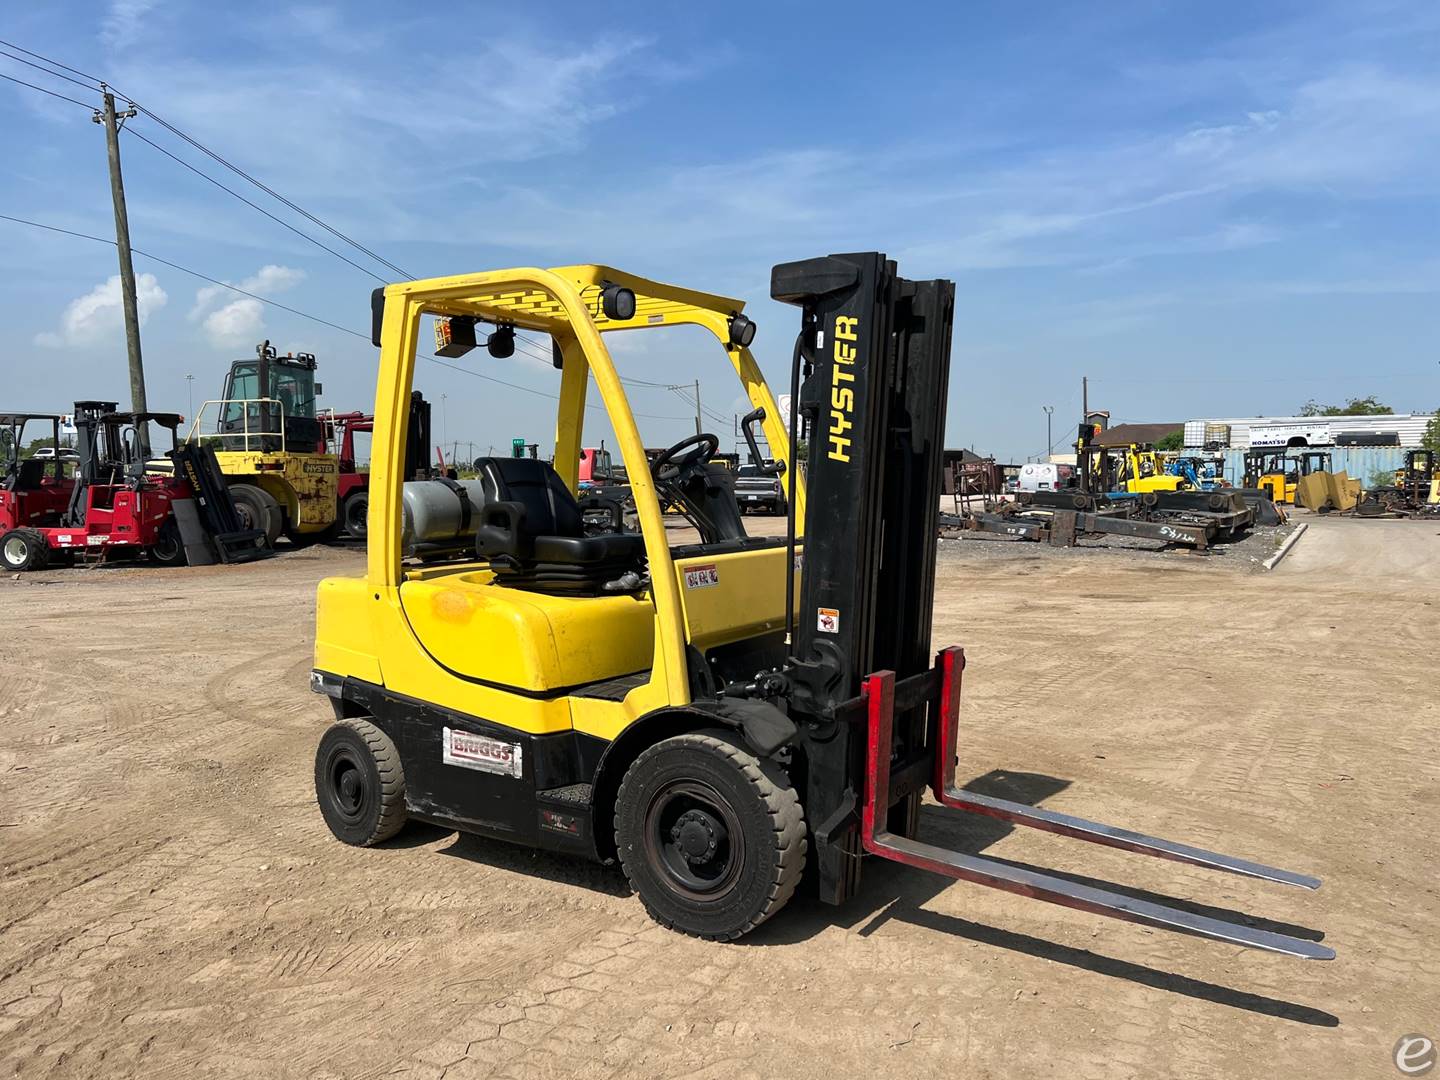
1242,433
1140,434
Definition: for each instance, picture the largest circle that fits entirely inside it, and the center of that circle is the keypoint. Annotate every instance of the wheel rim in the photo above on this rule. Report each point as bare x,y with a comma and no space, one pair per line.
693,840
246,513
355,516
166,546
16,551
347,786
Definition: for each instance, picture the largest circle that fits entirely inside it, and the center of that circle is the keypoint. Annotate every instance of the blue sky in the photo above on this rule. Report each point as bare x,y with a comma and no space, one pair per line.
1209,208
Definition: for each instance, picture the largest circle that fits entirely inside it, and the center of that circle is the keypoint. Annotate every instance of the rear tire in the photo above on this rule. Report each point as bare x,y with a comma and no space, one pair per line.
359,783
168,549
24,549
711,837
258,509
356,514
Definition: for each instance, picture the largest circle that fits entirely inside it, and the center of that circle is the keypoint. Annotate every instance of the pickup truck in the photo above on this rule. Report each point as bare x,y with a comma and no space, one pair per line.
756,490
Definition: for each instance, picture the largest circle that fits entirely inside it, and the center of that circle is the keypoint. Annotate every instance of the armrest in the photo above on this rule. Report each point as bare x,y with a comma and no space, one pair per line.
612,508
500,531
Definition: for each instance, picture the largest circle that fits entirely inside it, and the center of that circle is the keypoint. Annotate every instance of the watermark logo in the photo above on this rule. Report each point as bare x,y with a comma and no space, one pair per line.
1415,1055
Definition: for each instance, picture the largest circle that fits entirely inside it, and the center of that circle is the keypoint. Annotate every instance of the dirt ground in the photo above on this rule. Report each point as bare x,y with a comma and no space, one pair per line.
171,903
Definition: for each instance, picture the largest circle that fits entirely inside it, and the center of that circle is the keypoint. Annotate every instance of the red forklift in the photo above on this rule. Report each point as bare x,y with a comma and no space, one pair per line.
109,504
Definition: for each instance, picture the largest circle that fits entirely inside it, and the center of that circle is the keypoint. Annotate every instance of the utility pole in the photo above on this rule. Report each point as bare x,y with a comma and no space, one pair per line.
1084,399
697,406
444,426
113,124
1049,439
190,395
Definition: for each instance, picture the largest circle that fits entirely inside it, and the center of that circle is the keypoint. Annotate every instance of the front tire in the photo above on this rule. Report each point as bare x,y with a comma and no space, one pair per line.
258,509
711,837
356,514
359,783
24,549
168,549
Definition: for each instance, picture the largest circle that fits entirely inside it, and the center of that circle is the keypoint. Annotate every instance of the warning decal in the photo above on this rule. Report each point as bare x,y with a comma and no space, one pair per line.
701,577
827,620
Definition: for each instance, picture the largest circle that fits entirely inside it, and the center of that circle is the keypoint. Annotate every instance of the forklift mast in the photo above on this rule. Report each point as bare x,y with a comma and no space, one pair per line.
874,352
95,443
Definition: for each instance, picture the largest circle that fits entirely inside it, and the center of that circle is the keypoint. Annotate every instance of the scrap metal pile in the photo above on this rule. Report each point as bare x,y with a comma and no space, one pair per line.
1194,519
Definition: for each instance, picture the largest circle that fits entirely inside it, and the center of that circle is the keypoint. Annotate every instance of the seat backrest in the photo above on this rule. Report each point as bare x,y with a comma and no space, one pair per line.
31,474
550,509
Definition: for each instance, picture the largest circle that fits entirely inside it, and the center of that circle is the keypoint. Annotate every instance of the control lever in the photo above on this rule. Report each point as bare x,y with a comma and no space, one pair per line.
747,426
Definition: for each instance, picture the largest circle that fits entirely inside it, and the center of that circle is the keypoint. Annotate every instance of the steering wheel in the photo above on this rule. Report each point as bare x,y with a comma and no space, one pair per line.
667,467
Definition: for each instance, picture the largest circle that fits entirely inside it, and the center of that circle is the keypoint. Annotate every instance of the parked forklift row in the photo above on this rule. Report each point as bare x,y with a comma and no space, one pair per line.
279,466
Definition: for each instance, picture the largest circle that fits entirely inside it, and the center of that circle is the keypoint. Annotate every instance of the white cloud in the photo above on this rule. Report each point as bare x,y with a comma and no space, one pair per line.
123,21
98,315
241,321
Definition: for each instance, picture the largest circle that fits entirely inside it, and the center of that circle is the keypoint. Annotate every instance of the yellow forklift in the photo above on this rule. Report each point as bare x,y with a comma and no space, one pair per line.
271,443
725,719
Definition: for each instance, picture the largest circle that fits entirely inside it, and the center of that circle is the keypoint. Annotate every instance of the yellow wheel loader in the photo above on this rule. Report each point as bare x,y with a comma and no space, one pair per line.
729,720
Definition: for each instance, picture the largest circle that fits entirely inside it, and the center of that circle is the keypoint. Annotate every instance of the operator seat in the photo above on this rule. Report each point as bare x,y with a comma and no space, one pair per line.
30,475
532,532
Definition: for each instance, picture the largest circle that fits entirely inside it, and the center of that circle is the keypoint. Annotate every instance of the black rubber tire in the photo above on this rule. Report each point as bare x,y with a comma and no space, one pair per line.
355,514
168,549
780,509
24,549
759,804
258,510
359,783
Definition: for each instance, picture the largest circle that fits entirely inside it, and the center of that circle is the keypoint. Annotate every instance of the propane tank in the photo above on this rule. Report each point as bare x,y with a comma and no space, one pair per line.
435,514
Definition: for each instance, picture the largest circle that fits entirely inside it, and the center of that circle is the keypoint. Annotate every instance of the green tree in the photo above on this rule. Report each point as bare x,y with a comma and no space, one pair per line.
1366,406
1174,441
1431,438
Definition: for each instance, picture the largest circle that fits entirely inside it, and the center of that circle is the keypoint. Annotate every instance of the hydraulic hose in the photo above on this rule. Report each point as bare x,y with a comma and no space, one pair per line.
795,361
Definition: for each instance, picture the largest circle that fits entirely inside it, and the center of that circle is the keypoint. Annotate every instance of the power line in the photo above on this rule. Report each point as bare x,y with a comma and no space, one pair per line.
269,190
530,346
253,206
297,311
52,93
218,158
48,71
53,63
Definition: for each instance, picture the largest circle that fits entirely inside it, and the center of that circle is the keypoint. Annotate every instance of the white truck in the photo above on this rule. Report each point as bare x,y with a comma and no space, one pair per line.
1046,476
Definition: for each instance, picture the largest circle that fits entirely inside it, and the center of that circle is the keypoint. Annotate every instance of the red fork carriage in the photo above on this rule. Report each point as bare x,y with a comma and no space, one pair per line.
939,691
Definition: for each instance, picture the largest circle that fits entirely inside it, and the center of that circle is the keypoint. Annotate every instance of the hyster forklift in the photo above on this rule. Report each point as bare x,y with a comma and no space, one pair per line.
271,446
723,718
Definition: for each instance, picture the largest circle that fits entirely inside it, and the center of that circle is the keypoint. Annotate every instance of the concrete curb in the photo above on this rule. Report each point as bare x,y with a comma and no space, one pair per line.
1271,562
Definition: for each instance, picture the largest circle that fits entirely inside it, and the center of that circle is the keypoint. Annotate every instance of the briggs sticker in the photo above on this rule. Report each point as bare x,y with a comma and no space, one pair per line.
471,751
702,577
827,620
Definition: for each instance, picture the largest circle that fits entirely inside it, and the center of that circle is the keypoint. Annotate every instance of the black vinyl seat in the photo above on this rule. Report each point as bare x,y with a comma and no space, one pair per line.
532,531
